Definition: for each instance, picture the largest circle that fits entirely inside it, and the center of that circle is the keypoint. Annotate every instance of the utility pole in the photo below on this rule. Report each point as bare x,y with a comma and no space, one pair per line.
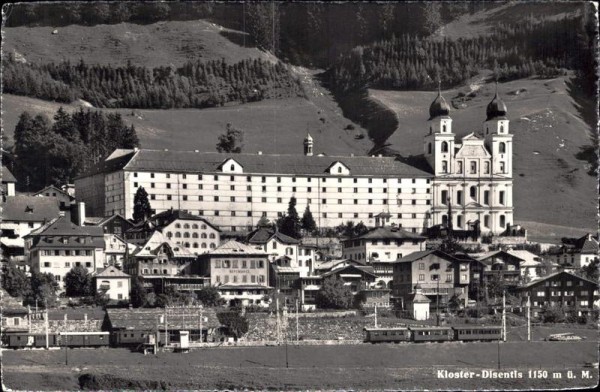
437,306
157,335
201,333
375,316
47,326
528,319
503,315
278,321
297,325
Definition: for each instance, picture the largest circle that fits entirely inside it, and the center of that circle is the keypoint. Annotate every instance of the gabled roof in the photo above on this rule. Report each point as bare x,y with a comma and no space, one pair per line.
112,272
236,248
529,259
208,162
285,270
55,189
472,150
156,240
7,176
115,161
328,265
418,298
169,216
65,229
485,256
361,268
262,235
388,232
414,256
23,208
544,278
107,219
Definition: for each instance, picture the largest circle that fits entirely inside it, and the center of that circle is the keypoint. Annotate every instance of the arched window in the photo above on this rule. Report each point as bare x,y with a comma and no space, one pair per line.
444,146
502,221
186,226
177,226
339,169
194,226
429,148
232,167
473,192
194,235
444,220
177,234
501,128
186,244
203,245
195,245
203,235
444,128
169,234
212,246
444,166
502,148
186,235
203,227
211,235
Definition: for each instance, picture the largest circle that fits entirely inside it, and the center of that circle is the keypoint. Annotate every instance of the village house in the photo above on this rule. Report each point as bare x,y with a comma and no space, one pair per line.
9,183
275,244
576,294
575,253
439,275
497,265
60,245
417,304
15,316
192,232
239,271
63,198
382,246
113,284
531,266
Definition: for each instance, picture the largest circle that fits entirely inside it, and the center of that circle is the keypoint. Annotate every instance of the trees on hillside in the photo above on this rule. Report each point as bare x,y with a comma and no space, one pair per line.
231,141
308,222
43,290
351,230
333,294
15,281
78,282
141,205
289,224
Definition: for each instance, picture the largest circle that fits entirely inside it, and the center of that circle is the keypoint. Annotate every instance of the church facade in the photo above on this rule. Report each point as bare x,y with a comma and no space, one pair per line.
472,187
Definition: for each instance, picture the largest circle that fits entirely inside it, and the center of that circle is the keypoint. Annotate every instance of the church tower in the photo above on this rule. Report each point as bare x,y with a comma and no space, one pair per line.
498,140
308,145
439,142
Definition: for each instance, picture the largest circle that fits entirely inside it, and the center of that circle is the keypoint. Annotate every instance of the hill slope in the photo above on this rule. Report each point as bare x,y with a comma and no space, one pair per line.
158,44
550,185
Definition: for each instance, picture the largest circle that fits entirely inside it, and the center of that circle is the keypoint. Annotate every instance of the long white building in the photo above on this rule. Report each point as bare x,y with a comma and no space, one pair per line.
235,190
473,178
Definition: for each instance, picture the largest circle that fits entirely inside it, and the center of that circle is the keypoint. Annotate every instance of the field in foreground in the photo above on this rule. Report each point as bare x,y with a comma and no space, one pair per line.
403,366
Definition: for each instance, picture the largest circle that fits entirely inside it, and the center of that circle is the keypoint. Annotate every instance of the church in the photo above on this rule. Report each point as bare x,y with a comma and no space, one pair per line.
472,183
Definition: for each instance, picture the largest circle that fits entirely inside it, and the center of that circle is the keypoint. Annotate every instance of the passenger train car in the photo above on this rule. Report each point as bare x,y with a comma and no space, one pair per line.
432,334
61,339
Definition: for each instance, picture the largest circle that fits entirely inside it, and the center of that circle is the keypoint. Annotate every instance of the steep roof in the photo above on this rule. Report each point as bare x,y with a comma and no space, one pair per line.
485,256
263,235
529,259
362,268
158,239
167,217
418,298
544,278
112,272
55,189
7,176
24,208
414,256
392,233
236,248
92,236
194,162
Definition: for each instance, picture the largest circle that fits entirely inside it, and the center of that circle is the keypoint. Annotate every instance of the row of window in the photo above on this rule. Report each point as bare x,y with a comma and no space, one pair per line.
216,177
486,220
195,245
68,264
557,293
473,194
242,279
473,167
65,252
239,264
186,234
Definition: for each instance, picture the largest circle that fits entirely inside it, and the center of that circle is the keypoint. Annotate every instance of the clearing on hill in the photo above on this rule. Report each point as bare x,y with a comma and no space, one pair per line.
550,185
157,44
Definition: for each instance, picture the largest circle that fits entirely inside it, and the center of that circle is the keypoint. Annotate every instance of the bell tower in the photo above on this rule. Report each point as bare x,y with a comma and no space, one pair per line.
498,140
308,145
439,141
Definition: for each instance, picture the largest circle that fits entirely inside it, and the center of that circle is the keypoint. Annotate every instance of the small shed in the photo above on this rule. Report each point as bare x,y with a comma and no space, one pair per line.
418,304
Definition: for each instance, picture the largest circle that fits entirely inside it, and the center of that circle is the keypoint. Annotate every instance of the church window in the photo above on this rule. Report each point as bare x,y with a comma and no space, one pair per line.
486,197
486,168
444,146
460,167
444,197
502,221
501,128
459,197
430,129
486,221
444,220
502,148
444,128
502,167
501,197
444,166
429,148
473,167
459,221
339,169
473,192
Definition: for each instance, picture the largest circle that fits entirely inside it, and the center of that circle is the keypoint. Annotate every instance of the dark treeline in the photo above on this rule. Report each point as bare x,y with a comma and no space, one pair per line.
196,84
513,51
56,152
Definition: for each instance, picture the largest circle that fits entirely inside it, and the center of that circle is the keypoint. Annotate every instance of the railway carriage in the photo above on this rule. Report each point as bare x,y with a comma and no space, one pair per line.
477,333
431,334
386,335
83,339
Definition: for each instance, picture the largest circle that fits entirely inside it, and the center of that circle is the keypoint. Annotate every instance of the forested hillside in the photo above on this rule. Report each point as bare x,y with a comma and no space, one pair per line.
196,84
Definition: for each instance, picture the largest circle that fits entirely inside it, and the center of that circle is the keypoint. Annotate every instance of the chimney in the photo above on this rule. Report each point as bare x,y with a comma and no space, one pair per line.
81,213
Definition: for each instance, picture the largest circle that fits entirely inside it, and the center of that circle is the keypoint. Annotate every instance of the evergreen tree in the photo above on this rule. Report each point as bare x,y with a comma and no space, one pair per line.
43,290
141,206
231,141
290,223
14,281
138,292
308,222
